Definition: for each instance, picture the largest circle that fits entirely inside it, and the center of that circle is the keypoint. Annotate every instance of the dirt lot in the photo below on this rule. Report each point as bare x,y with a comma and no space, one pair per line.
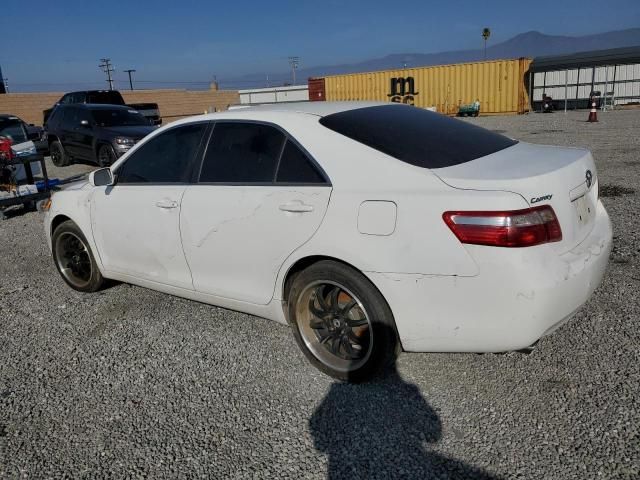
130,382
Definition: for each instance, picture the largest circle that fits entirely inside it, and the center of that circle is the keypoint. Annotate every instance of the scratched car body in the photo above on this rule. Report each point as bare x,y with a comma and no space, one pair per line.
369,228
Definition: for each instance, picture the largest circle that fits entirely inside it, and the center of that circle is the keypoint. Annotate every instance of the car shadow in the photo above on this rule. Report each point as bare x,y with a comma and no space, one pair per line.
382,429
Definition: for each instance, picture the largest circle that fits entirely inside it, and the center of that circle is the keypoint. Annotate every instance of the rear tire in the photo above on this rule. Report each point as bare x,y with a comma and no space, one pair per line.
58,156
106,155
73,258
341,322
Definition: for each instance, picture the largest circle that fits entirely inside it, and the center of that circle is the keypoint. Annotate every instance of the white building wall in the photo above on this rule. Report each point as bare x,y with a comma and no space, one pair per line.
293,93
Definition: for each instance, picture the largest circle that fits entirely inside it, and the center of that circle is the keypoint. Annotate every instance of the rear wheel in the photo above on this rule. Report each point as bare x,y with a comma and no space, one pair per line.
341,322
58,156
106,155
74,259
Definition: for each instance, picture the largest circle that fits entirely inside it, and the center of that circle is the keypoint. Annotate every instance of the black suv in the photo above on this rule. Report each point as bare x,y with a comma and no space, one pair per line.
98,133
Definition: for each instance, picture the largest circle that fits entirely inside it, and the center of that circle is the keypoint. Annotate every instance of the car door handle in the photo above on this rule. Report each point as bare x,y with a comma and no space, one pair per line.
296,207
167,203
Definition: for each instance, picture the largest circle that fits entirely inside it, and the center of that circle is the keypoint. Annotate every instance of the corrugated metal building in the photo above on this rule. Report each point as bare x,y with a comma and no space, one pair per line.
497,84
615,73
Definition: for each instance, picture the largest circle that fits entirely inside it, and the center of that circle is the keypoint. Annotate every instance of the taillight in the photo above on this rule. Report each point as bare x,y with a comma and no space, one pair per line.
516,228
6,153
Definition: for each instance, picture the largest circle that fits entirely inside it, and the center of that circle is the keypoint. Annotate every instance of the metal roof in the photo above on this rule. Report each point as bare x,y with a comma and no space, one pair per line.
612,56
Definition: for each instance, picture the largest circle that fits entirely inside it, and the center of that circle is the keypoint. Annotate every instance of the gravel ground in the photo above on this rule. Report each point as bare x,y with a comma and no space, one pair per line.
130,382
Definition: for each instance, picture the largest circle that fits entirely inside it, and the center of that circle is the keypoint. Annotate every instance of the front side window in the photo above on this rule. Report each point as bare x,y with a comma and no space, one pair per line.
166,158
242,153
76,115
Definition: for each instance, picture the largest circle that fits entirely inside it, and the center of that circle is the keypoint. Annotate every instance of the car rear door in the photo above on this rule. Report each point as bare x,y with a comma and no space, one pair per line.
258,198
68,130
136,221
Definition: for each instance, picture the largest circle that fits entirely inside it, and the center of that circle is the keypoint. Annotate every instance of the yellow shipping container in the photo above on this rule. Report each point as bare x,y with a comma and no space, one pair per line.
497,84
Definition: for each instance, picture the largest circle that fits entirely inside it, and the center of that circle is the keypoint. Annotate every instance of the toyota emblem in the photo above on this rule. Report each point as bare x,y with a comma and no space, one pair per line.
589,177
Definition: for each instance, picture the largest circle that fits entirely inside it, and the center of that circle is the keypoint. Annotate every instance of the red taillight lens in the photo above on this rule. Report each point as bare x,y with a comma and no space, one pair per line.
5,148
516,228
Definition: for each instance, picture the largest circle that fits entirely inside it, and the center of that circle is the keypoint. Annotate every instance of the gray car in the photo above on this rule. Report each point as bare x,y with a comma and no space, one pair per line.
95,133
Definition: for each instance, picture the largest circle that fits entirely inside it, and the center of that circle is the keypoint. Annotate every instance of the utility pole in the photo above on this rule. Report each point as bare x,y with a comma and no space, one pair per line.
130,71
294,61
486,33
107,68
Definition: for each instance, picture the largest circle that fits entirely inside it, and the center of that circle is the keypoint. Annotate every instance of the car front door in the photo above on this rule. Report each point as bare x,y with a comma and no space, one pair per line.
83,134
136,221
259,197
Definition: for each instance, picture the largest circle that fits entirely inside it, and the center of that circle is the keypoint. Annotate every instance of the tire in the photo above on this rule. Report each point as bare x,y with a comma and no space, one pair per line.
73,258
341,322
106,155
58,156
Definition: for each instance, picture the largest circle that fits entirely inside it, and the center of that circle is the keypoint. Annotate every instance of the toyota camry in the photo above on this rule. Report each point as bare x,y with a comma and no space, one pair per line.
369,228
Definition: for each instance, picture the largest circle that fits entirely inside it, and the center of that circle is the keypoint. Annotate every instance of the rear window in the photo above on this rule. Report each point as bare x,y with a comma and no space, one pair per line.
109,97
416,136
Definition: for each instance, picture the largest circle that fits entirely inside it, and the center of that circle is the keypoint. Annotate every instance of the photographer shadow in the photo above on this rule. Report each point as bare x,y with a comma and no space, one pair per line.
382,429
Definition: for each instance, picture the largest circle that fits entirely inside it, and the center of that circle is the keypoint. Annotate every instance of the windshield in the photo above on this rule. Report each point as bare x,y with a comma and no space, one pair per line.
13,130
118,118
417,136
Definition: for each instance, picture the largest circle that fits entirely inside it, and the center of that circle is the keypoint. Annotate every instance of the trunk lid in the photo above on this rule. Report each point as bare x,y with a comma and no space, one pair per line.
562,177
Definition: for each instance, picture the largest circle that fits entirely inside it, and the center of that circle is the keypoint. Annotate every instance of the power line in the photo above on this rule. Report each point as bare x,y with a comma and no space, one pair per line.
294,61
107,68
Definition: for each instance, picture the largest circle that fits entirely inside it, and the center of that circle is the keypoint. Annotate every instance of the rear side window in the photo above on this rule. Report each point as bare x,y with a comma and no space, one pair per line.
296,167
14,130
242,153
166,158
416,136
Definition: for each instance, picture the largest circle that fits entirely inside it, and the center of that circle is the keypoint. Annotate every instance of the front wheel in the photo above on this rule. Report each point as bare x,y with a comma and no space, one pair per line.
341,322
106,155
73,258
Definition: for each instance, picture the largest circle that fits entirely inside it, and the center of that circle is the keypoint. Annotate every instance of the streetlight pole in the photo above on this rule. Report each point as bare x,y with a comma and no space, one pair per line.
130,71
486,33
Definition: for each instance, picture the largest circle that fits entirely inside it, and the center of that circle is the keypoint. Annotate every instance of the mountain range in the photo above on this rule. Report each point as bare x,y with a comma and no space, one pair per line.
528,44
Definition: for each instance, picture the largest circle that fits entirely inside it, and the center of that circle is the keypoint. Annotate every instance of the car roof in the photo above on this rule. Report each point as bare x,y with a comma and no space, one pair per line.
319,109
96,106
8,116
90,91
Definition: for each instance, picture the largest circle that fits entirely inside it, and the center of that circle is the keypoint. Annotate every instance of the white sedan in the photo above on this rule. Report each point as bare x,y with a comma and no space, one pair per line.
368,227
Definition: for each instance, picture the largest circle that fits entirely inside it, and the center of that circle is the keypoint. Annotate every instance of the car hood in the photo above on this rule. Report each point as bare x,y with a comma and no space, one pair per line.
133,131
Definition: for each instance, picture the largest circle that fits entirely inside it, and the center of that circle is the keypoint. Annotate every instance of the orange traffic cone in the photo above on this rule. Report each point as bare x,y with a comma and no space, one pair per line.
593,114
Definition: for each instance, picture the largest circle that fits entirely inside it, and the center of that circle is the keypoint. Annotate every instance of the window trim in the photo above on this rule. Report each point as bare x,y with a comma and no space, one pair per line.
198,153
273,183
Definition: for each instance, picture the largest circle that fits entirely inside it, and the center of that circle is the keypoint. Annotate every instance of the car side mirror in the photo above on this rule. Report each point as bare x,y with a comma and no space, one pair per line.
33,136
103,177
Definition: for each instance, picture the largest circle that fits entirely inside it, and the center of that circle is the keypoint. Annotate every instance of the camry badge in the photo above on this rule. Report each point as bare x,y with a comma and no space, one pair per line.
589,177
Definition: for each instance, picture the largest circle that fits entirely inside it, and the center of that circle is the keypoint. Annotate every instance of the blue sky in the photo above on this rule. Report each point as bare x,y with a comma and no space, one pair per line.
56,45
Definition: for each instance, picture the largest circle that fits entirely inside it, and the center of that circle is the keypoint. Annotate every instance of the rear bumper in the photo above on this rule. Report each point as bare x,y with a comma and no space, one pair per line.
519,296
